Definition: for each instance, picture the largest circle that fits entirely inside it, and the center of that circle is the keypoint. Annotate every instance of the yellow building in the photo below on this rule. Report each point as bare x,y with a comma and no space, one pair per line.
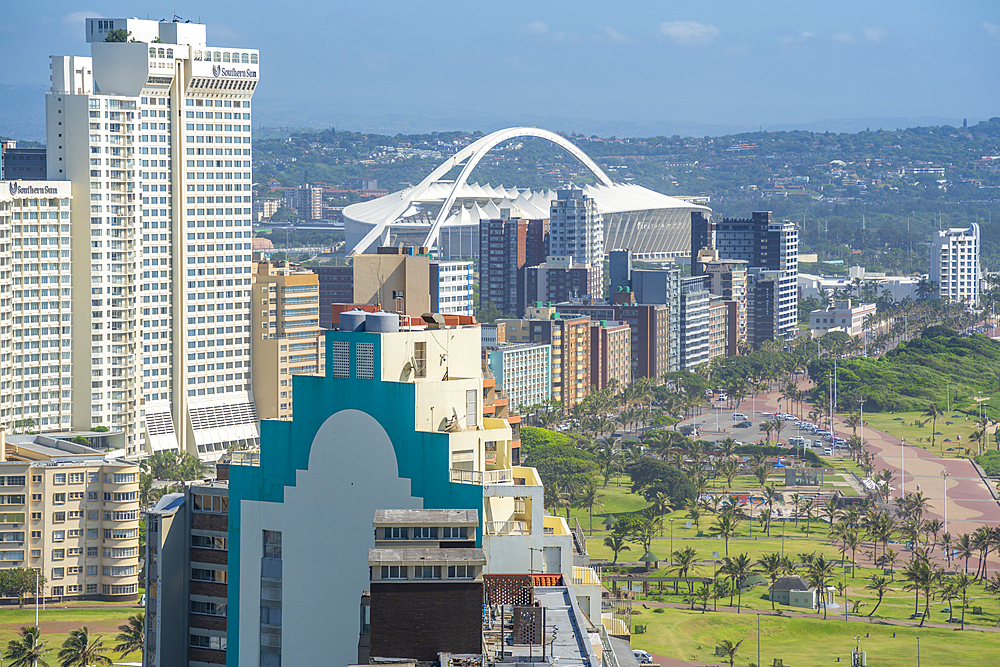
286,335
73,513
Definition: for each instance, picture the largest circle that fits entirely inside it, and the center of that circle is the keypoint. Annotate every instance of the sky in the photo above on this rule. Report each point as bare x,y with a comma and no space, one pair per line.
625,68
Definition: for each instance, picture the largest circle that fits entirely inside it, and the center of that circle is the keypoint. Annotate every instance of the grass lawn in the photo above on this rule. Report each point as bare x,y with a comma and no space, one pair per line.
56,625
920,436
807,642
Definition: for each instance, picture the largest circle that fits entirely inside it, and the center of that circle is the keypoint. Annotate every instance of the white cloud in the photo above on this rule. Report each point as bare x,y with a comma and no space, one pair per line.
991,28
77,18
795,39
873,34
688,33
541,29
615,36
845,37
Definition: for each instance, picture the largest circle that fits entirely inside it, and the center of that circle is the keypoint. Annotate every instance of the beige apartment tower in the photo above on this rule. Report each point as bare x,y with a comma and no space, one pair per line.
286,335
73,513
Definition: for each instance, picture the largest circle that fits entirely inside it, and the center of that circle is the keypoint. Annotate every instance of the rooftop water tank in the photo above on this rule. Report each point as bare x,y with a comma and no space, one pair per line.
353,320
382,322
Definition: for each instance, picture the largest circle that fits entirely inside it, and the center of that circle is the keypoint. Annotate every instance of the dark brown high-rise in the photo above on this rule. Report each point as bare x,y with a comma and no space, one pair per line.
506,246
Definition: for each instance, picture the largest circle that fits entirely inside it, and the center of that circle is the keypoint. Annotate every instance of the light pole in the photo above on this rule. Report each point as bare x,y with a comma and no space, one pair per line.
918,651
856,662
671,541
36,598
945,475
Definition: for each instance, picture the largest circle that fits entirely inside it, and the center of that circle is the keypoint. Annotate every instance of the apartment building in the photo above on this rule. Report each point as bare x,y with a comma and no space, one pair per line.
576,235
36,308
450,283
841,316
187,568
954,264
398,412
507,246
287,337
569,336
718,327
728,279
523,372
309,202
694,330
154,134
21,164
73,513
610,354
336,285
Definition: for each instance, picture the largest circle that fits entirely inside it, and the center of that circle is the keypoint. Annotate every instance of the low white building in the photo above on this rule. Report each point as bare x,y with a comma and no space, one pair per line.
842,316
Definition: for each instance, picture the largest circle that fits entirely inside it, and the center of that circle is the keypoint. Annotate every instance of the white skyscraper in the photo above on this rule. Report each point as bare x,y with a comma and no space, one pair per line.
35,306
576,232
155,135
954,267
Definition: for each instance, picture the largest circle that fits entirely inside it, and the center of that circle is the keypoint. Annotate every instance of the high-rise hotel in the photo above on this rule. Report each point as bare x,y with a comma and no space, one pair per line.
154,133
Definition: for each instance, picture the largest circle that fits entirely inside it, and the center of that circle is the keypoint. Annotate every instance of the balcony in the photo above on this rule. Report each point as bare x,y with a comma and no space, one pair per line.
508,527
481,477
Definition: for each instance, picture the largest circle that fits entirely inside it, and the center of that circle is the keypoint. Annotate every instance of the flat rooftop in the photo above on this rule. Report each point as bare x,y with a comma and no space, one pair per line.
398,517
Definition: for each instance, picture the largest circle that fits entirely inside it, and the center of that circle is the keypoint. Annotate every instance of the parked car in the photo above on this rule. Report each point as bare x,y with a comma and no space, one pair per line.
642,656
744,424
738,415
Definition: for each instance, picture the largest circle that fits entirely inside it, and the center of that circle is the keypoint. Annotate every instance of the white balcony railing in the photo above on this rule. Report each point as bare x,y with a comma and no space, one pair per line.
508,527
460,476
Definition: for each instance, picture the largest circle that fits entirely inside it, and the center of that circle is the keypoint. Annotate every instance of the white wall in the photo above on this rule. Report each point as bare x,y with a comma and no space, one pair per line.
326,524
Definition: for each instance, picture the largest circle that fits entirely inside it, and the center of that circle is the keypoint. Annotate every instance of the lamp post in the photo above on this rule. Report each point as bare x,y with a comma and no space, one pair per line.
918,651
945,475
671,541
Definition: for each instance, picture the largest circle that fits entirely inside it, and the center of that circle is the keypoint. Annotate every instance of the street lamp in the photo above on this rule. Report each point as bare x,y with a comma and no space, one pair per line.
945,475
671,541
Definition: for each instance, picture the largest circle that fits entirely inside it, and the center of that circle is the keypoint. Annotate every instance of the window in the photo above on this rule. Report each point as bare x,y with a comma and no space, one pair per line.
92,551
341,362
425,533
205,542
463,459
470,408
270,615
394,533
208,608
454,533
36,534
58,573
59,478
272,544
208,503
58,554
394,572
76,478
59,498
93,476
202,641
427,572
57,590
420,359
58,517
217,576
58,535
365,361
76,495
460,572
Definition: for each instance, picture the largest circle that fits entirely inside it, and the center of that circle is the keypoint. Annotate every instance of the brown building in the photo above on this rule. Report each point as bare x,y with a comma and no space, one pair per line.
649,324
553,282
610,354
718,327
507,246
336,285
569,337
728,279
286,335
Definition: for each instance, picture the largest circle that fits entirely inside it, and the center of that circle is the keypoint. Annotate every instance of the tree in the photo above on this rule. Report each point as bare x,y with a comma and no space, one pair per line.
19,581
130,639
79,650
772,566
729,469
726,526
589,499
28,649
821,572
933,412
738,568
617,542
683,562
729,650
704,594
880,587
121,35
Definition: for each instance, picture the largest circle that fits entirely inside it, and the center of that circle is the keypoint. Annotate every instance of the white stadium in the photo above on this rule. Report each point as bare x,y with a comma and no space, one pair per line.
445,214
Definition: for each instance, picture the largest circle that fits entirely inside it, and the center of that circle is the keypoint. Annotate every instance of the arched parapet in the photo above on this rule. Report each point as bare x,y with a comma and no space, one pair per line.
468,158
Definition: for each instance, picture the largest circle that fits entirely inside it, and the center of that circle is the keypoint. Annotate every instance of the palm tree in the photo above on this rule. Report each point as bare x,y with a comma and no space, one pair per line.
589,499
880,587
683,562
821,572
933,412
772,566
770,495
738,568
617,542
704,594
766,428
28,649
729,469
131,636
80,651
729,650
961,583
726,526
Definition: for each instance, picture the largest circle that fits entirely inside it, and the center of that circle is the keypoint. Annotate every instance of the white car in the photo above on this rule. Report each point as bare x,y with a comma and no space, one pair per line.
642,656
739,416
